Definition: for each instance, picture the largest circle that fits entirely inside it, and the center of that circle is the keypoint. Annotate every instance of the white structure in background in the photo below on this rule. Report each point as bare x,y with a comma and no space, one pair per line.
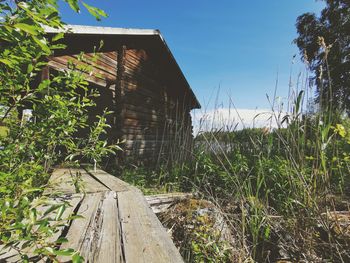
225,119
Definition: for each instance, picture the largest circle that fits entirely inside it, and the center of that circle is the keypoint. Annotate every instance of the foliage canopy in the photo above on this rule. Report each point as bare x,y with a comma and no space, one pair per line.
324,45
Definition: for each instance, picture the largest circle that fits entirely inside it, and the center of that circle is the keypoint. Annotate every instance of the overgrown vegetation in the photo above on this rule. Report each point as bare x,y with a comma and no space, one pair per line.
29,148
283,191
279,190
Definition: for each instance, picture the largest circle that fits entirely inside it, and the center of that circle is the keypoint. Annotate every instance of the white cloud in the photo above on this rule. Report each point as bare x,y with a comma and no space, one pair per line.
235,119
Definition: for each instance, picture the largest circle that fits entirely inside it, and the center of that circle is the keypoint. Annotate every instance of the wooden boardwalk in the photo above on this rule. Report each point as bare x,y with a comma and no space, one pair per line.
118,224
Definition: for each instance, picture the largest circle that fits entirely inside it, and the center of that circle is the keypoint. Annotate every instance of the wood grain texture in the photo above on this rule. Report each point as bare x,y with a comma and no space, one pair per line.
117,224
97,235
112,182
161,202
151,242
61,181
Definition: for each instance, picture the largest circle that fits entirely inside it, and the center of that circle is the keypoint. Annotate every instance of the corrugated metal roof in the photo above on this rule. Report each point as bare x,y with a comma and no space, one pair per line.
96,30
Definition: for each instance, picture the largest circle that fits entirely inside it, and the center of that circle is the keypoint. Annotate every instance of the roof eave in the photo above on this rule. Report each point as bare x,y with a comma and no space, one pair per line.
93,30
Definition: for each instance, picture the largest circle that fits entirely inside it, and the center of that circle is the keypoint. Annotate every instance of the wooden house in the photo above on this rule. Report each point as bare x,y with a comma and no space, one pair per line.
139,80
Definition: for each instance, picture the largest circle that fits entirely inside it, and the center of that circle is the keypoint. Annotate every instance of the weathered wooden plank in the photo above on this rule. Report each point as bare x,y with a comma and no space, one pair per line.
147,103
140,98
156,137
116,227
112,182
12,255
161,202
151,242
143,123
85,65
138,115
111,54
109,58
138,54
129,75
140,108
73,203
148,130
97,64
90,184
78,230
142,144
60,67
138,63
151,155
97,236
142,70
151,151
9,256
150,76
60,181
109,244
71,181
143,89
105,60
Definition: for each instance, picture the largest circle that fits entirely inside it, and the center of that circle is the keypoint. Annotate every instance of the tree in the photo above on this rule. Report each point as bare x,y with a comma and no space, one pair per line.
324,44
31,148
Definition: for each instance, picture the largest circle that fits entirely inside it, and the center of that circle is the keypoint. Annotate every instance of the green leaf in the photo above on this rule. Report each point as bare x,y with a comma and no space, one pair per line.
50,250
267,232
50,209
96,12
61,240
32,190
77,258
25,258
30,68
58,46
44,84
6,61
74,5
74,217
60,212
64,252
33,30
58,36
42,43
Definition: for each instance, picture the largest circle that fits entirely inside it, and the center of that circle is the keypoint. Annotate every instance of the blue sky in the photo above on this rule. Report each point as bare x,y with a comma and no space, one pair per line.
237,45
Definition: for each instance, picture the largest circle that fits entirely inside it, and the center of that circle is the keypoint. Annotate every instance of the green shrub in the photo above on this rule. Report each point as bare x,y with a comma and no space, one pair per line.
31,148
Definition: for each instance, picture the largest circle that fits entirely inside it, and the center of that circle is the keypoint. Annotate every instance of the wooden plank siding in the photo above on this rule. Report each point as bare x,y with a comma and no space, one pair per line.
153,117
151,110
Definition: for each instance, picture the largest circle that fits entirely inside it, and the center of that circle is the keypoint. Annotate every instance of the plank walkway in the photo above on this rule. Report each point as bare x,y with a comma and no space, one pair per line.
118,225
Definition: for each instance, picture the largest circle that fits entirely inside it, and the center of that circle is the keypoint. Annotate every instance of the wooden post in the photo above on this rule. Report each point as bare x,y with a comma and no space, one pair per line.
45,73
119,96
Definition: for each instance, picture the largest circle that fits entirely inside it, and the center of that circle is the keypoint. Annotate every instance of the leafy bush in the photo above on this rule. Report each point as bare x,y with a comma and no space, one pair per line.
31,148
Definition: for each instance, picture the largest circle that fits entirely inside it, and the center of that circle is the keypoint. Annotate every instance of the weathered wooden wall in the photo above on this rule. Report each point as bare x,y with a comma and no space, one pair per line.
100,70
151,108
156,119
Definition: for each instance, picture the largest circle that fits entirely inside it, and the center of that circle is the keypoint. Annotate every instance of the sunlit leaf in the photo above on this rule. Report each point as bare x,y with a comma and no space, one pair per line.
96,12
74,5
30,29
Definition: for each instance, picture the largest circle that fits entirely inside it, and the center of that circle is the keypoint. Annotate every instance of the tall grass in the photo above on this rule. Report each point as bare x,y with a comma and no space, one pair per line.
283,189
